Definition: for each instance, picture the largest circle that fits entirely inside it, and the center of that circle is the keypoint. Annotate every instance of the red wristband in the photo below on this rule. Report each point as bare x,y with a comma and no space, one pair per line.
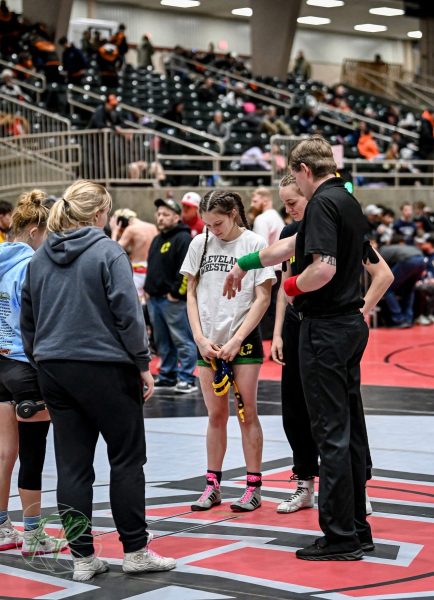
290,286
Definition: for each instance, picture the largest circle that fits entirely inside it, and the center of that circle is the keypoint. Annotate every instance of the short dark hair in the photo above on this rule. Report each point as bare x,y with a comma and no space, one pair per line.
5,207
316,153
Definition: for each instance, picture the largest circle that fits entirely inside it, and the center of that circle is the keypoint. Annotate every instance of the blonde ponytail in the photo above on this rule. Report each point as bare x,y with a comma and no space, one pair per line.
78,206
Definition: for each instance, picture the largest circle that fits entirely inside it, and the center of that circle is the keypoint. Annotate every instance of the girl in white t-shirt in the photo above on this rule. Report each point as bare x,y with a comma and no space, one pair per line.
228,330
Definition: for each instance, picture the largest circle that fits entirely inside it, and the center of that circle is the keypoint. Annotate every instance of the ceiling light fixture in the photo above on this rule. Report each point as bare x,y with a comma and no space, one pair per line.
313,21
370,28
180,3
415,34
325,3
243,12
385,11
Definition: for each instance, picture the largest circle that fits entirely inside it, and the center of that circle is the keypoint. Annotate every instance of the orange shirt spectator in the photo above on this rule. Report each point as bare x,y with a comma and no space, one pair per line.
367,146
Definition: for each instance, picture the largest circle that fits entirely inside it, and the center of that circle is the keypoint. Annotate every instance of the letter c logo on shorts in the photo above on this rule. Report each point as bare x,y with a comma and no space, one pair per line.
246,350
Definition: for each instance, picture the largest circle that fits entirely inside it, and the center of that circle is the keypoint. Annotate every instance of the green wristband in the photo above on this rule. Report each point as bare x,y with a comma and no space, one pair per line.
250,261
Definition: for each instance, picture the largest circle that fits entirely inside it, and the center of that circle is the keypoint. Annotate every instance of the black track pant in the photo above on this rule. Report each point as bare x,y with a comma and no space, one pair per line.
296,420
84,400
330,353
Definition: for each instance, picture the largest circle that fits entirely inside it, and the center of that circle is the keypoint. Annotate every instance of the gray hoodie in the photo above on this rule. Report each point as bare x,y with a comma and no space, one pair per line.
79,302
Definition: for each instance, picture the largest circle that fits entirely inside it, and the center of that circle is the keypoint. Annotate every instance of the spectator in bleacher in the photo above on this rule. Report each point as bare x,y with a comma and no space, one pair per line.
175,112
405,225
9,29
419,216
177,65
217,127
106,115
278,160
306,119
426,133
44,54
302,68
208,57
190,213
207,92
119,39
373,214
73,61
109,62
86,43
253,159
407,264
392,115
425,287
25,61
145,53
96,41
272,124
234,96
384,232
367,146
5,220
10,88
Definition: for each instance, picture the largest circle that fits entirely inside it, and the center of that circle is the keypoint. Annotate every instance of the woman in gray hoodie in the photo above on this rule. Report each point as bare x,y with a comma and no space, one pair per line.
83,329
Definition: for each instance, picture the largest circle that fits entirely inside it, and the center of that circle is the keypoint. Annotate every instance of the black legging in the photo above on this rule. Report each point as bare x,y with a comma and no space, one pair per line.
32,445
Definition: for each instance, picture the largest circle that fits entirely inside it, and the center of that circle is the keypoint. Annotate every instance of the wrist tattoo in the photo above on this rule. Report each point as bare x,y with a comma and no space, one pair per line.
330,260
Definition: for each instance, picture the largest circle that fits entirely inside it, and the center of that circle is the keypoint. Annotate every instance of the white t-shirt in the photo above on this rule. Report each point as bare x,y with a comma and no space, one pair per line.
219,317
269,224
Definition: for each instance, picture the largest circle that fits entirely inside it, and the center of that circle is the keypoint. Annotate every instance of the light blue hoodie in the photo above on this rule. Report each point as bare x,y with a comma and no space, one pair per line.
14,258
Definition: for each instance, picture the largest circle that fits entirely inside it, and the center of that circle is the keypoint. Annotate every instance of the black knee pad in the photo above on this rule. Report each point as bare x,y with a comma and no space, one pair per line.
32,444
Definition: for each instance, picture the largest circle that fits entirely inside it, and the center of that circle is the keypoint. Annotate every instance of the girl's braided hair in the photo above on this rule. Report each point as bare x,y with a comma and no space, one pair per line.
223,202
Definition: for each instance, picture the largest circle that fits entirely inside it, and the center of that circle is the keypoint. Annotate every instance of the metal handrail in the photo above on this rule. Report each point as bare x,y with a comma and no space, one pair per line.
264,86
144,113
38,76
323,107
29,110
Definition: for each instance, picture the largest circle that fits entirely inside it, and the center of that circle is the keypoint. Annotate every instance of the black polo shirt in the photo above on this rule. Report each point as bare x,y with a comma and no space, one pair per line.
333,225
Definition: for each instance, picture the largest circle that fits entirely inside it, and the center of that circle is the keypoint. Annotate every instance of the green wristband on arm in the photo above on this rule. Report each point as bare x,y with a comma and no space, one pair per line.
250,261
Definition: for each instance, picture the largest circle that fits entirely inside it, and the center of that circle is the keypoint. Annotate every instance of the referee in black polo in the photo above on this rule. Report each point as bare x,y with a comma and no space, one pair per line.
329,249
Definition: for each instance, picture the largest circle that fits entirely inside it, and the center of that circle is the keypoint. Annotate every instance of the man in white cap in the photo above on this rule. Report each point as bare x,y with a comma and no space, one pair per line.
190,213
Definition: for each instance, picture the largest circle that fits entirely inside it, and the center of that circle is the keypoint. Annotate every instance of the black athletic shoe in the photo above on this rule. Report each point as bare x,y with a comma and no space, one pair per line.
366,542
322,550
162,384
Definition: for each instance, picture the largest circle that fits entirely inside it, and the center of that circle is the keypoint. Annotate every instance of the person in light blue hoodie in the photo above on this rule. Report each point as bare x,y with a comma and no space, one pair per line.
18,383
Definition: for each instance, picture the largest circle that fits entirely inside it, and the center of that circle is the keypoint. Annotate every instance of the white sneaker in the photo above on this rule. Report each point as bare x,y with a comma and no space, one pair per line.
37,542
423,320
146,560
369,509
10,538
303,497
86,568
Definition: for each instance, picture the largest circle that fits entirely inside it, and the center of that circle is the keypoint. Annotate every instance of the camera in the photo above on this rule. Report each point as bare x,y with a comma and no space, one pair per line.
123,222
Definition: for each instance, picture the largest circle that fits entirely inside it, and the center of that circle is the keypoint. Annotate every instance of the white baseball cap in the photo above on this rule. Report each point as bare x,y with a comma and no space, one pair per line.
372,209
191,199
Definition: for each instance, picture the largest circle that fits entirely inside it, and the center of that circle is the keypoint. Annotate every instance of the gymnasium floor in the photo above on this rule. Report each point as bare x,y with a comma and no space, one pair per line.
223,555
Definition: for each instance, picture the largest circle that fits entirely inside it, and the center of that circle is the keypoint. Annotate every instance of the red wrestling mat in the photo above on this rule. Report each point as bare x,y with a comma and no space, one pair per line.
394,357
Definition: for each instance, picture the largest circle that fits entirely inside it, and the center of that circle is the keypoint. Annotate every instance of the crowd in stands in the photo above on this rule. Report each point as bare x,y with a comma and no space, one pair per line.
238,112
406,242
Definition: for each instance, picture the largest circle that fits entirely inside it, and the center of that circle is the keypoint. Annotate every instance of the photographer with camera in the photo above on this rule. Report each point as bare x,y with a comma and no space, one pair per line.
135,236
24,419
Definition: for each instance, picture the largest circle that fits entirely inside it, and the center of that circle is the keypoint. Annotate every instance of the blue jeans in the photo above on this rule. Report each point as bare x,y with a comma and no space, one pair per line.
173,339
406,274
